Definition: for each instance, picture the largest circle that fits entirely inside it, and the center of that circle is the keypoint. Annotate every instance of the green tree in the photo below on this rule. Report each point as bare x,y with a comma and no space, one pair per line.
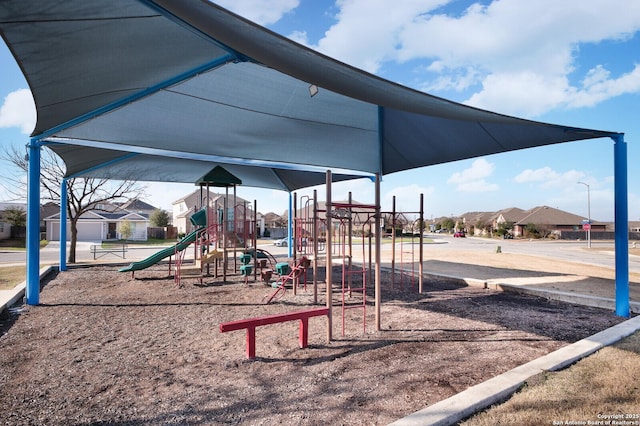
531,230
448,224
159,218
16,216
504,228
125,229
481,226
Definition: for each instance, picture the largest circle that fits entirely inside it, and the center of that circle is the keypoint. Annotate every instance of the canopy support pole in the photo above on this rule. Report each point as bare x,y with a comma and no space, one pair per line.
32,291
622,226
378,295
63,225
290,227
329,259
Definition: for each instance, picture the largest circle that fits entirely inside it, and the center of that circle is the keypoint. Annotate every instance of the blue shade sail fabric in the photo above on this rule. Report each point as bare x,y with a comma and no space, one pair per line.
166,90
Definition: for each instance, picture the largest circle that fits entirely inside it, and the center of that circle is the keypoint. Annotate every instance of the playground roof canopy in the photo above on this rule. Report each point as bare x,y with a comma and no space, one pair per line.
120,86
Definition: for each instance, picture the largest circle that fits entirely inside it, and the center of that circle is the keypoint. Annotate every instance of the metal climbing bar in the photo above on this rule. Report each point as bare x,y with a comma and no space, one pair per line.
251,324
299,269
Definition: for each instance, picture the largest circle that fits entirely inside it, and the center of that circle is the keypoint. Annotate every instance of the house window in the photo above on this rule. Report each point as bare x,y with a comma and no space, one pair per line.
1,227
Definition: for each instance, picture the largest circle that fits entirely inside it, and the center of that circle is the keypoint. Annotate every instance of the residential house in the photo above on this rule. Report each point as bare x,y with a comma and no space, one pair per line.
48,209
103,223
274,225
550,221
361,217
8,231
485,223
476,223
506,216
136,205
5,226
5,230
634,226
186,206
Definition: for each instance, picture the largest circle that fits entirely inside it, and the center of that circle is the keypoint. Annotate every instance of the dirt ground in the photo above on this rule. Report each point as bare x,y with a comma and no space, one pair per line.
103,348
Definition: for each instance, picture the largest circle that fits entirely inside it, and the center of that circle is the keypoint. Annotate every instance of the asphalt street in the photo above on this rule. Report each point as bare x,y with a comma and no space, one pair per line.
600,253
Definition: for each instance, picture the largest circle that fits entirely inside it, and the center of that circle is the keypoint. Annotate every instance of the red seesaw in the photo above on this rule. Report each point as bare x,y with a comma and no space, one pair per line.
251,324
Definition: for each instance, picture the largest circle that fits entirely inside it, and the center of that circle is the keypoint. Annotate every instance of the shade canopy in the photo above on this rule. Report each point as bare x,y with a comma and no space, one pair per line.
165,90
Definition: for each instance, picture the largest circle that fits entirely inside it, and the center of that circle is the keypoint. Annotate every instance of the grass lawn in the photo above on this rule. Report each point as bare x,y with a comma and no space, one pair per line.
11,276
603,388
149,242
18,244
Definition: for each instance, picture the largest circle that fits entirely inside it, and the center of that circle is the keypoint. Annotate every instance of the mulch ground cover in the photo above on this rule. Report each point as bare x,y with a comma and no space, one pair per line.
103,348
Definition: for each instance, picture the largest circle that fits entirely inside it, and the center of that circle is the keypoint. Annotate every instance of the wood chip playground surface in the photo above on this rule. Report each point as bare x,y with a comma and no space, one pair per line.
103,348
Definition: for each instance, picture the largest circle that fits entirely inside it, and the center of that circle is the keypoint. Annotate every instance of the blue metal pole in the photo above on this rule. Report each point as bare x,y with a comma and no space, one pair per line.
622,226
290,230
33,225
63,225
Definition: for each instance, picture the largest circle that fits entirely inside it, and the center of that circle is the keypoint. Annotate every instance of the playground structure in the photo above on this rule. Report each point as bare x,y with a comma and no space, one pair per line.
320,234
329,232
326,234
218,232
223,239
199,221
288,274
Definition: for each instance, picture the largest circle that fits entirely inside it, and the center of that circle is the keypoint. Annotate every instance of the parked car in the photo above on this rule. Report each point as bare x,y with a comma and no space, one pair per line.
282,242
459,234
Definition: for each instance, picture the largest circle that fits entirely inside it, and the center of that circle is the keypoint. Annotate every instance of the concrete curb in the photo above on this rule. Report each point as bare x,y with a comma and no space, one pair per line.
577,299
562,296
475,282
9,297
483,395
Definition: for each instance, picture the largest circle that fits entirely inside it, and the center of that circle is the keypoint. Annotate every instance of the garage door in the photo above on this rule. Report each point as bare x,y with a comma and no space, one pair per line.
53,231
89,231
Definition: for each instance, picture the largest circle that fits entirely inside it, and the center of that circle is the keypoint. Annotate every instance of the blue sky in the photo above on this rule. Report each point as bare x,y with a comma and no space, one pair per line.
574,62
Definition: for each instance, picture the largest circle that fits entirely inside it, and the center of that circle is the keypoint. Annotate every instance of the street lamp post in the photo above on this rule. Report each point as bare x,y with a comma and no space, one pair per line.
588,213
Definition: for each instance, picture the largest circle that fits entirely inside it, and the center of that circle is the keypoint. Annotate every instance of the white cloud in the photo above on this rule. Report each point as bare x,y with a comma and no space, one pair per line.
519,56
263,12
597,86
300,37
473,178
523,93
524,52
367,32
546,177
479,169
18,110
537,175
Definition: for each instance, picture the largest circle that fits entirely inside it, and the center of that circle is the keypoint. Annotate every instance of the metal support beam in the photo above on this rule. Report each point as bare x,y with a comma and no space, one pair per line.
378,278
290,227
622,226
329,259
63,225
32,291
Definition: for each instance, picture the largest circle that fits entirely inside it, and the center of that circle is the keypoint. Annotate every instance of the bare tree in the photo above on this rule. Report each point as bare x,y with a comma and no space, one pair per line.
83,194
